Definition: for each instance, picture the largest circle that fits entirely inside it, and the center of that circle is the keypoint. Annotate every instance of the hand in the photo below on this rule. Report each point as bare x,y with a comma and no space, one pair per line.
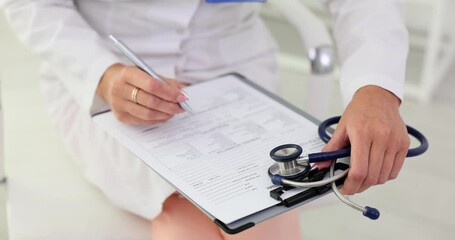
379,141
156,101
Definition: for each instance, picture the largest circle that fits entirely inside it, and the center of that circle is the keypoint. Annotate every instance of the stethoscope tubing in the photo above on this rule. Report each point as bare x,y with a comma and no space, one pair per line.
346,152
367,211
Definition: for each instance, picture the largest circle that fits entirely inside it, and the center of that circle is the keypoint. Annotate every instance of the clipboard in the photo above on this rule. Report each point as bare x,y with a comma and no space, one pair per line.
285,204
280,205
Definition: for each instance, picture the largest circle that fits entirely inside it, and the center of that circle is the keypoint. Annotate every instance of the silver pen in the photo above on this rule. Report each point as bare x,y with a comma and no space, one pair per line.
144,67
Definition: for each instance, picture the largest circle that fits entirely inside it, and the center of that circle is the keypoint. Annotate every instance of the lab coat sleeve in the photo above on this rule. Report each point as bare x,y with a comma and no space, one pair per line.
58,33
372,43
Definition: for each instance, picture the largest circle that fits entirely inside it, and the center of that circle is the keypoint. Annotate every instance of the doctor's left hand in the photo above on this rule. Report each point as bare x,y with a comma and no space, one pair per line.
372,124
137,98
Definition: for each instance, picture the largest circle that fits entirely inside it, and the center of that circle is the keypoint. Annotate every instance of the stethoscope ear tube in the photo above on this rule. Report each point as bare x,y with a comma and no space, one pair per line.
421,138
286,159
322,129
324,156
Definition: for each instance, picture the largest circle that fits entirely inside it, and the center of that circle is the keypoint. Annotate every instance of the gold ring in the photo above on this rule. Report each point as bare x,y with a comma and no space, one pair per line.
134,94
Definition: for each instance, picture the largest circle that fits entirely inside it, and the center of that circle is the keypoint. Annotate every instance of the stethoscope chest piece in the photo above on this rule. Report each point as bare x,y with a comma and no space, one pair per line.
290,168
287,161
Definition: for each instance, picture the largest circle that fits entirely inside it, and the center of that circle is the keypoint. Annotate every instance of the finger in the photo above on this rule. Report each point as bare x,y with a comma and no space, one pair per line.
322,165
376,158
389,158
130,119
156,103
178,84
157,88
125,92
398,163
144,113
401,155
149,101
360,149
338,141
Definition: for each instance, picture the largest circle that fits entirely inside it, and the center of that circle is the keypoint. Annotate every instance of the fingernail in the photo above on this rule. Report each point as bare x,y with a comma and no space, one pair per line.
181,98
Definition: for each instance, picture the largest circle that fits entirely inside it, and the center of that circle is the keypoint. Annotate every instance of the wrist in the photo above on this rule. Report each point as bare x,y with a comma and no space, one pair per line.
376,93
110,73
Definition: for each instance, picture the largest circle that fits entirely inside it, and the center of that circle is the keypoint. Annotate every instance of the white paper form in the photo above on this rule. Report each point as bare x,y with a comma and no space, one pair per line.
219,156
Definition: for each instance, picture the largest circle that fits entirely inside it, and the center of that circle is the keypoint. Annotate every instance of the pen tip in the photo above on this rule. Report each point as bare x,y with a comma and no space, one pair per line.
189,110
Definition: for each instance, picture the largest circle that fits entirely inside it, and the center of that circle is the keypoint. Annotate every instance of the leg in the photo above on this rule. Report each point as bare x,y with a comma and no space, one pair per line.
284,226
180,219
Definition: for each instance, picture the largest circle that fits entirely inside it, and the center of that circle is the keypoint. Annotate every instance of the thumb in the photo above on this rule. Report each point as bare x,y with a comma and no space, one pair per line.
175,83
338,141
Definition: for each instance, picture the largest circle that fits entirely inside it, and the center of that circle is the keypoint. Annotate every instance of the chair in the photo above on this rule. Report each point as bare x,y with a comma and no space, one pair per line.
3,229
48,198
439,50
2,156
320,52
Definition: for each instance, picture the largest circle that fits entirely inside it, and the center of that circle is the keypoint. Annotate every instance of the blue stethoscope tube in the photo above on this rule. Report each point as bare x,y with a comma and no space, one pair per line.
346,152
289,163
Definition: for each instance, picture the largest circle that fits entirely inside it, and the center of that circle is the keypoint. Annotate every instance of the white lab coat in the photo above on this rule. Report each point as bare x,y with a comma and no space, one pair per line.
191,41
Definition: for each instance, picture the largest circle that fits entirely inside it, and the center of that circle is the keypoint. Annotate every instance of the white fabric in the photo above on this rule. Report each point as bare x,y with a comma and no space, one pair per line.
372,42
189,40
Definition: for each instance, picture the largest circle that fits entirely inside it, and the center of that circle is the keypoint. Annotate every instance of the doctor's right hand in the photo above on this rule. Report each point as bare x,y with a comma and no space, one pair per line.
137,98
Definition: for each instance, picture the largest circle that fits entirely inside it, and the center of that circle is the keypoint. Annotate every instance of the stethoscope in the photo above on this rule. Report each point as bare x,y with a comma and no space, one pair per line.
290,165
